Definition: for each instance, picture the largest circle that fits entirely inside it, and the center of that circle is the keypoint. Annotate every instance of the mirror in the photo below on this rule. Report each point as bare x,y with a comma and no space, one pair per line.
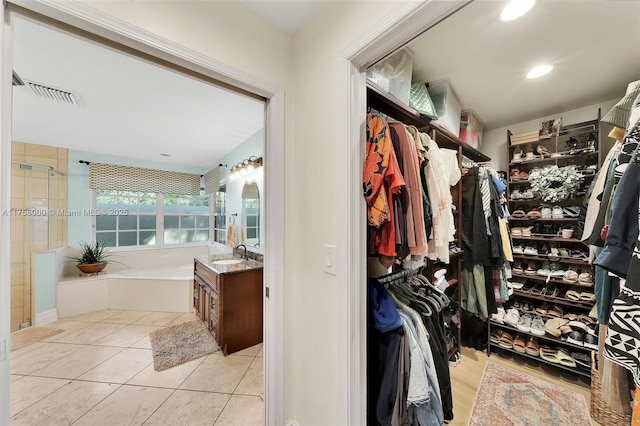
250,226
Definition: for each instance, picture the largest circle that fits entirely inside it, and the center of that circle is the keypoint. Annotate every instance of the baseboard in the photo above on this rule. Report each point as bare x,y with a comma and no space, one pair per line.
46,317
291,422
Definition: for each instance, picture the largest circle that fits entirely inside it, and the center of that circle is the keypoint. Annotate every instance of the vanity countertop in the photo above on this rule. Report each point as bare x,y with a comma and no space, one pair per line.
244,265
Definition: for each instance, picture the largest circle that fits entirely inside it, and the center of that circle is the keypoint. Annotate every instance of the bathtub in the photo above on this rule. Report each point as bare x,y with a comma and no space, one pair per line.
167,288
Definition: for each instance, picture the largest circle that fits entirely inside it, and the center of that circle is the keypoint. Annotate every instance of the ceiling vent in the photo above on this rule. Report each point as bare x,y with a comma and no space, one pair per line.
48,92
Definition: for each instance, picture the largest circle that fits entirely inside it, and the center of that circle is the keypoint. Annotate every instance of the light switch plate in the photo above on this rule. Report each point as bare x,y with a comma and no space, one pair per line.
329,259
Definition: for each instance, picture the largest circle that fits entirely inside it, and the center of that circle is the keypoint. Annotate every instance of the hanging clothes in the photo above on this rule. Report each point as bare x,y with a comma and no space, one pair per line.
416,234
381,180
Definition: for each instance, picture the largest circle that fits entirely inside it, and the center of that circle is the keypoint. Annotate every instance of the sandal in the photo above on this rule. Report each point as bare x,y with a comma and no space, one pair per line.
587,297
516,232
532,347
549,354
543,309
526,231
519,344
565,359
534,214
572,295
495,336
519,213
555,311
550,292
506,340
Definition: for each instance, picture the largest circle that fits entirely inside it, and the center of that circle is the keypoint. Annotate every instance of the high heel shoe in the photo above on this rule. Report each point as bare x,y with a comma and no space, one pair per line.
543,151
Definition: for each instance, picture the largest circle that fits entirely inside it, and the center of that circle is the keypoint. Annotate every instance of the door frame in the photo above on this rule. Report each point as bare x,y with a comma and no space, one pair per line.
402,24
95,22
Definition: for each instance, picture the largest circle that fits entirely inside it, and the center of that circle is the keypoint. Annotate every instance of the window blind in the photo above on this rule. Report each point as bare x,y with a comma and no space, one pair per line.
135,179
212,180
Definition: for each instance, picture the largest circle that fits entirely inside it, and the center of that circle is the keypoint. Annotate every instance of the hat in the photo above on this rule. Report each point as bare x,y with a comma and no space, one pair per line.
619,114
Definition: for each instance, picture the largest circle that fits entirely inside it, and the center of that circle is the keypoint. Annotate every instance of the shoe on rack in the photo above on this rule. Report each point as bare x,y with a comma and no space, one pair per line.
552,326
499,316
531,251
532,346
524,324
537,326
576,337
531,268
557,213
528,194
591,341
517,155
516,194
591,142
546,212
543,151
526,231
585,279
518,249
566,359
534,173
517,267
529,155
512,317
545,269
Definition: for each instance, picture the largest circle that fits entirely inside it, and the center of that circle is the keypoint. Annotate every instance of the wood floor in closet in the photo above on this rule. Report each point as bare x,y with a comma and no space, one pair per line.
466,377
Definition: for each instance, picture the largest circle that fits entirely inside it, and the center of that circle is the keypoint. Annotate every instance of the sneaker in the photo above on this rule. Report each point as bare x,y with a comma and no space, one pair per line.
518,250
545,270
546,213
499,317
532,251
524,324
537,326
512,317
591,341
557,213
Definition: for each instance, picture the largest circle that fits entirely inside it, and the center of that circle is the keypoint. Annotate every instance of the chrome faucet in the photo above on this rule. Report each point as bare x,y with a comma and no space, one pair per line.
245,250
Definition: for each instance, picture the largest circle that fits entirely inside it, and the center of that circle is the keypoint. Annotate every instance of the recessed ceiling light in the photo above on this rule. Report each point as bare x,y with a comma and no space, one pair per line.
515,9
165,155
539,71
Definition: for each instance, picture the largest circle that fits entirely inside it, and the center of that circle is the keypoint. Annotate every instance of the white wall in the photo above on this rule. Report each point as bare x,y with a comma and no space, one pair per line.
495,143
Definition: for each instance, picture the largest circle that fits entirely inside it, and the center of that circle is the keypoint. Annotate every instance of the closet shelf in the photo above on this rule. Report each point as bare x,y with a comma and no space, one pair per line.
548,238
563,259
564,219
565,155
537,277
547,338
576,370
390,105
558,300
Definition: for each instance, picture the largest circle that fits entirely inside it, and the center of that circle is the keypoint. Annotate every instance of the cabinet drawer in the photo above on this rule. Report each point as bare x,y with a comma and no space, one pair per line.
211,279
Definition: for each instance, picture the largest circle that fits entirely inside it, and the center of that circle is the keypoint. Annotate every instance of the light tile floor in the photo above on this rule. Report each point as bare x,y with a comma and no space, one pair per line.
99,371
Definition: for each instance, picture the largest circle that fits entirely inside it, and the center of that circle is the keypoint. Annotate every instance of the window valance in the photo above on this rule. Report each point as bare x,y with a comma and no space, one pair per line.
126,178
212,180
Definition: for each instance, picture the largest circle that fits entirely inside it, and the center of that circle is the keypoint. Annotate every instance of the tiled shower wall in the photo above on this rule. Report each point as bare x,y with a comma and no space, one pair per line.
34,189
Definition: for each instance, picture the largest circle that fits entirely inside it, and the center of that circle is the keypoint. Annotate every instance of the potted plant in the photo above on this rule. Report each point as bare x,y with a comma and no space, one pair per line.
92,258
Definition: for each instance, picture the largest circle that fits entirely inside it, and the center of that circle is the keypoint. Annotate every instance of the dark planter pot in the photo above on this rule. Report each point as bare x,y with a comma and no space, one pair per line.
91,268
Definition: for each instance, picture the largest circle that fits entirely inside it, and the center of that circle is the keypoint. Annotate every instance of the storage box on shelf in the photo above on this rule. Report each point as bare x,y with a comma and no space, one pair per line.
393,74
447,104
551,272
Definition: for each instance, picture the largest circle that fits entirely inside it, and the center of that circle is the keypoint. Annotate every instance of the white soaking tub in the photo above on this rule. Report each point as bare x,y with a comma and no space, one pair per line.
166,288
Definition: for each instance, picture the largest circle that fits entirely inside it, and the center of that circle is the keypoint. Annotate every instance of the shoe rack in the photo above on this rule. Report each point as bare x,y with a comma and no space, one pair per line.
551,275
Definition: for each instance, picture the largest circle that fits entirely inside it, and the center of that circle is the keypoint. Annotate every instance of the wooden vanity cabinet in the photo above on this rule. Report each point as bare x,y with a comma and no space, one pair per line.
230,305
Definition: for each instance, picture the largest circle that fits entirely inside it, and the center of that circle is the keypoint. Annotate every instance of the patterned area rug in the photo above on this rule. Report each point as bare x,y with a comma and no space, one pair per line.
180,343
24,338
508,397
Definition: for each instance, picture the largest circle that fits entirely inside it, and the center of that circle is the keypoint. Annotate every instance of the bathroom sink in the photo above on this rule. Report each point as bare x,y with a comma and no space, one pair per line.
227,262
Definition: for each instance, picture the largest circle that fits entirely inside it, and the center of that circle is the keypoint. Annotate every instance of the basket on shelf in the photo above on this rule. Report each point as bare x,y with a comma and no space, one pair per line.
600,411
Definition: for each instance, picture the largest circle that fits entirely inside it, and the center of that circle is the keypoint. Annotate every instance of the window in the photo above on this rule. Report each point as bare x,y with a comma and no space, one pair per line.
126,218
250,212
220,219
186,218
